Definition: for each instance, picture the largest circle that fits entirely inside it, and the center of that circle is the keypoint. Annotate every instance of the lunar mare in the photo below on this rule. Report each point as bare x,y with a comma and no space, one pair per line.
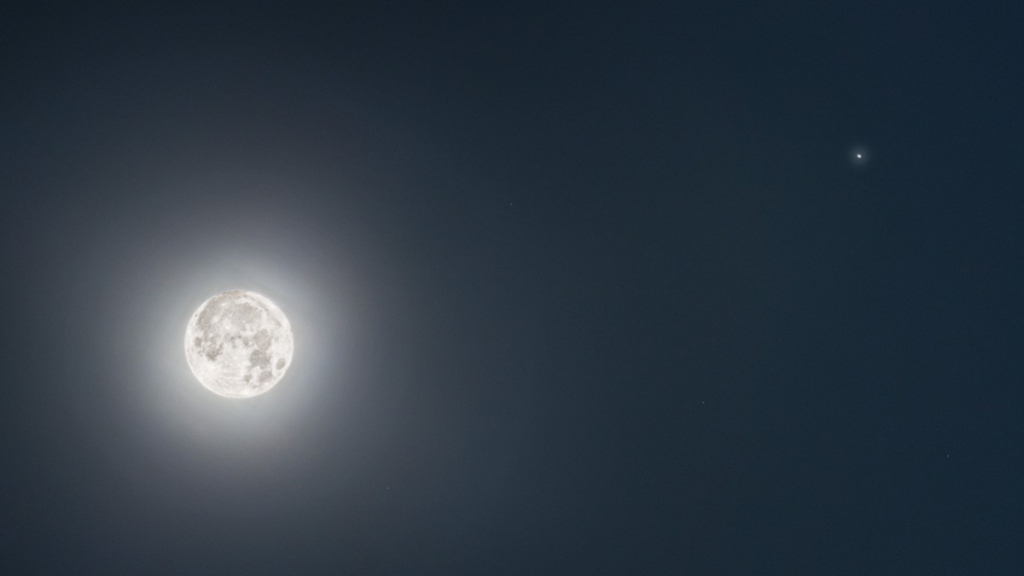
239,344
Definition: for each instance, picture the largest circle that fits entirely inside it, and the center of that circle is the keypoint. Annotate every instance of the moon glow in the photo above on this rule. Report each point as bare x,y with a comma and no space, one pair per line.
239,344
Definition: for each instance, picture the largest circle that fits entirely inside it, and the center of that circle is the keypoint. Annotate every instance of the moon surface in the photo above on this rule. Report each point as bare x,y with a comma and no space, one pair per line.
239,344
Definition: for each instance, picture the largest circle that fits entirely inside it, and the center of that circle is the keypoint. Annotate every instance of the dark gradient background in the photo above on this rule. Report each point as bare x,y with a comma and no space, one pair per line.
577,288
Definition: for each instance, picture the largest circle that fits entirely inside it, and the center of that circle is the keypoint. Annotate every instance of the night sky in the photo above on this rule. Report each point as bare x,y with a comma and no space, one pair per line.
576,287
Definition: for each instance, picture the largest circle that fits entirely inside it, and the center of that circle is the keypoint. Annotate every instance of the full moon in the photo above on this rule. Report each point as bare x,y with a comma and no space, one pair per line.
239,344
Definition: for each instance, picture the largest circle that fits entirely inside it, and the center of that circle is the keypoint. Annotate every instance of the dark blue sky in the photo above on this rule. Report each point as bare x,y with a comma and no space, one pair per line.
577,288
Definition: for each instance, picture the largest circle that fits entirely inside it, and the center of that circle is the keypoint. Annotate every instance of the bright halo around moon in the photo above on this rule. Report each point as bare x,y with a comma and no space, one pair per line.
239,344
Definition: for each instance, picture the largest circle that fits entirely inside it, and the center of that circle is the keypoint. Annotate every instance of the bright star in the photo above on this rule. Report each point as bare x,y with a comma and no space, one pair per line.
859,156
